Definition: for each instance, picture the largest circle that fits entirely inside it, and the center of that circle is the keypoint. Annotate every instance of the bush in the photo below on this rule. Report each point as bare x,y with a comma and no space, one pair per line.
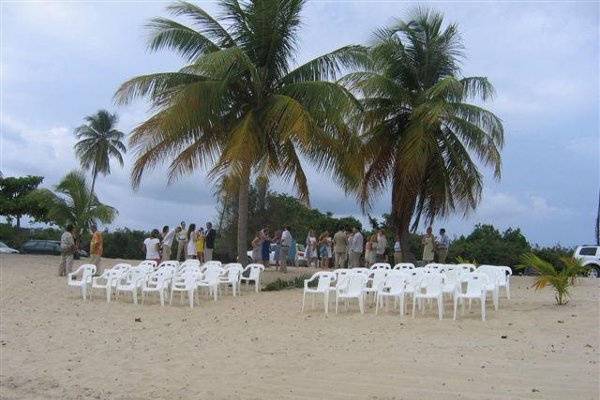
295,283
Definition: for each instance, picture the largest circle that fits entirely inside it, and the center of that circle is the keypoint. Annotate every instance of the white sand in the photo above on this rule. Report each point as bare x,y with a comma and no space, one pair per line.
56,346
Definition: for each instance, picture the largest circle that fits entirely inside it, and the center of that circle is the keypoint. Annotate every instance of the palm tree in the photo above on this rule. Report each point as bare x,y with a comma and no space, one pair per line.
237,107
74,203
99,140
420,131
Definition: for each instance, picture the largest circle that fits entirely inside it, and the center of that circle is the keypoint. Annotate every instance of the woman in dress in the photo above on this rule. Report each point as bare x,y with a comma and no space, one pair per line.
265,247
428,242
191,242
312,251
257,248
369,251
200,238
323,250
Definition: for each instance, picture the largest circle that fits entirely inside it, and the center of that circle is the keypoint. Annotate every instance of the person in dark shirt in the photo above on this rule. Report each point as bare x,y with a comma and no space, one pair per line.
209,242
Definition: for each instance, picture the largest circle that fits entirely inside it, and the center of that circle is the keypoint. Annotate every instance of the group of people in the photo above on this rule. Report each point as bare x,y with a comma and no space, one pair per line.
285,247
192,243
69,245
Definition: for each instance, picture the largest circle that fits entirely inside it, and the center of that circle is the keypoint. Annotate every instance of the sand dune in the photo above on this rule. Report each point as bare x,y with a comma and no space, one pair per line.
56,346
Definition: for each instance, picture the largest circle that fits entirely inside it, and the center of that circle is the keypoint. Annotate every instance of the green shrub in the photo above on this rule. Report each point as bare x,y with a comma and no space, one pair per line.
295,283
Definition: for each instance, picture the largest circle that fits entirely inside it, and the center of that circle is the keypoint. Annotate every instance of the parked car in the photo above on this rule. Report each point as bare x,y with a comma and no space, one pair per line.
4,249
589,257
51,247
298,259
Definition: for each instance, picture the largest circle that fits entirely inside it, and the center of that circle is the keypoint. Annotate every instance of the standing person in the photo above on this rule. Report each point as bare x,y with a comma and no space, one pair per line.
265,250
209,242
356,248
96,248
167,241
181,242
397,251
340,248
200,246
370,250
191,242
152,246
381,246
67,249
276,245
428,242
442,246
311,249
257,248
284,251
323,250
329,243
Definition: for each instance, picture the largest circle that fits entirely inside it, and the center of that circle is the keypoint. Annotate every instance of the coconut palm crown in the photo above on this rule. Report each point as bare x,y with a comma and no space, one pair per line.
420,131
99,141
238,108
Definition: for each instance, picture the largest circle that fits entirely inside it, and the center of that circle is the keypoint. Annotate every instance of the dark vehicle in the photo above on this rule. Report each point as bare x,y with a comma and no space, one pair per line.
51,247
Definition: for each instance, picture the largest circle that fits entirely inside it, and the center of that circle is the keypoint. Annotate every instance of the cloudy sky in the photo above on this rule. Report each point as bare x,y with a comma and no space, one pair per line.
63,60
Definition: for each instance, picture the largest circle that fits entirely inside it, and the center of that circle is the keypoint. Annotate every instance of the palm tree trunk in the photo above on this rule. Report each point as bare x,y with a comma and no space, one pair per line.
94,175
403,207
242,228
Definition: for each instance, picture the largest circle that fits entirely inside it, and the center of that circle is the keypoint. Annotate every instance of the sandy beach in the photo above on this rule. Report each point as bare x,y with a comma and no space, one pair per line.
54,345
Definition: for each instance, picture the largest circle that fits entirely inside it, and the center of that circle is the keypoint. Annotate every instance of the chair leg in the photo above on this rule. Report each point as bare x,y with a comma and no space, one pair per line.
326,301
191,297
108,294
401,297
303,300
336,304
455,305
507,290
171,298
440,307
482,300
361,304
162,297
414,306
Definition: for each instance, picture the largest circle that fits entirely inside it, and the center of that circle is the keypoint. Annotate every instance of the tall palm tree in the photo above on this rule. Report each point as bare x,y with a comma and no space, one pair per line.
99,140
238,107
420,130
74,203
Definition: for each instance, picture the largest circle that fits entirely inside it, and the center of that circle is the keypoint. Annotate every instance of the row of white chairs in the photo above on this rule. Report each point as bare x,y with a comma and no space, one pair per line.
168,277
419,284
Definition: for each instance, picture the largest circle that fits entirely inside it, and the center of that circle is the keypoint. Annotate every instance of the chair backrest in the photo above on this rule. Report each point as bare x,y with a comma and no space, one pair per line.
192,262
395,282
255,270
169,263
435,266
212,263
135,275
212,274
476,283
380,266
324,280
467,267
87,272
451,276
378,278
404,266
494,274
360,270
148,264
431,283
234,274
356,283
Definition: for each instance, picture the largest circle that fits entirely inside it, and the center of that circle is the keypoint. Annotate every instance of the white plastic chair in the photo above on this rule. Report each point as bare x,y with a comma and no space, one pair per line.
157,282
352,290
211,280
189,263
392,288
361,270
148,263
476,289
254,275
429,288
109,279
494,274
86,271
404,266
212,263
185,282
380,265
323,287
452,282
377,279
231,277
133,281
504,280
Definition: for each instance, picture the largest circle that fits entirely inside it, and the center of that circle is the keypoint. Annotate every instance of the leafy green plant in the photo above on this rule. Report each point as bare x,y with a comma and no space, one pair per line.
561,279
282,284
462,260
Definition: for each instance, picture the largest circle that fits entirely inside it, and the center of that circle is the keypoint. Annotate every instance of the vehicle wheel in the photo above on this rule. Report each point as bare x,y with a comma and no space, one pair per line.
594,271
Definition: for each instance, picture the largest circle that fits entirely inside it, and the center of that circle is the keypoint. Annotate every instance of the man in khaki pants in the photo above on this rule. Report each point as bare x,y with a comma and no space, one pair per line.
167,241
67,249
181,242
340,248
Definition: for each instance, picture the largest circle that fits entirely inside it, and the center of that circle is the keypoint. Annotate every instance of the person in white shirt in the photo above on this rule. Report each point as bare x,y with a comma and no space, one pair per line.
181,242
443,243
381,246
356,248
167,241
151,246
397,251
284,250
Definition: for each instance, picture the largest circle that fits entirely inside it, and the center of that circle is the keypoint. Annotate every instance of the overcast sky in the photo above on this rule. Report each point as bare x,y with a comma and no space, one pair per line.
63,60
